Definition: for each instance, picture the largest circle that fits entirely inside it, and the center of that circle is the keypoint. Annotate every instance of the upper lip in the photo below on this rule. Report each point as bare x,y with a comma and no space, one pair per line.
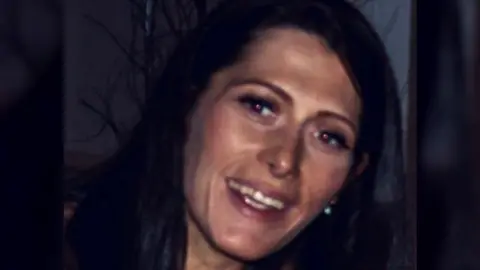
266,190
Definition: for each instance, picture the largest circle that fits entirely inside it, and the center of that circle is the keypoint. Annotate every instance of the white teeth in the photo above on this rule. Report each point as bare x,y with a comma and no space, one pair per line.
256,198
255,204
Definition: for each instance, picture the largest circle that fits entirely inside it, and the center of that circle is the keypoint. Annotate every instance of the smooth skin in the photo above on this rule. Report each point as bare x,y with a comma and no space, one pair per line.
285,117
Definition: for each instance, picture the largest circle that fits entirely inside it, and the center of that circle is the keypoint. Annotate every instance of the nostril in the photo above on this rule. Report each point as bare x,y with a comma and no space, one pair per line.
271,165
279,159
281,167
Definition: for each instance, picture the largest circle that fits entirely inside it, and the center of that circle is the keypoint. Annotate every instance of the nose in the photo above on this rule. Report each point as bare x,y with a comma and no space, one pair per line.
282,157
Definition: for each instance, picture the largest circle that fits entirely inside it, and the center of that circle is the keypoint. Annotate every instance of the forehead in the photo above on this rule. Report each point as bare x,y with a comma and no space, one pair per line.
300,63
294,49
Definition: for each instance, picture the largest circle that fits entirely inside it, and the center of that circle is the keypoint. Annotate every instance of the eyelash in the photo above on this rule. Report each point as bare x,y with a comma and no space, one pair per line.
257,104
339,141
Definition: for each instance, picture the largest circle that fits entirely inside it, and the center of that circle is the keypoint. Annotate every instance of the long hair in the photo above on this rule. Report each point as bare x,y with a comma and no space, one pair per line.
334,242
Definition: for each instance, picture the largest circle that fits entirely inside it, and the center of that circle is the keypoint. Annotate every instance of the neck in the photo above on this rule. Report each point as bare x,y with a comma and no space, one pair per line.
202,256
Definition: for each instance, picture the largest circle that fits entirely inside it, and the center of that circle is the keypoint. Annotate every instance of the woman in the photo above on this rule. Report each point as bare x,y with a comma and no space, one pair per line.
260,148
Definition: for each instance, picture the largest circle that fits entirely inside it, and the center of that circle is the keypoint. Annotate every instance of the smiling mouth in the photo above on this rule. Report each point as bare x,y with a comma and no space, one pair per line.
256,198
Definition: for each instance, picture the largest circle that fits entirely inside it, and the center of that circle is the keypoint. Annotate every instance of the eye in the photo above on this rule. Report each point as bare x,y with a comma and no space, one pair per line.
332,139
258,105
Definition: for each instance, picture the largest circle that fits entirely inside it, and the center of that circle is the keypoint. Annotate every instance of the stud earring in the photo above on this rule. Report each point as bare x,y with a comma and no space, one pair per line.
327,210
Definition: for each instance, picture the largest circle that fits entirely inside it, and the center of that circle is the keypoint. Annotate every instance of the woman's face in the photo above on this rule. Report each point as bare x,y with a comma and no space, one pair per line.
270,143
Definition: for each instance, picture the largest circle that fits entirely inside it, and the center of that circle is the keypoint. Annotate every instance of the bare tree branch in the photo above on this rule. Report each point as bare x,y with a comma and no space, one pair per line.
201,7
159,37
145,61
404,90
95,134
105,96
132,59
186,10
193,12
391,22
361,3
149,17
138,6
170,21
133,90
107,120
131,78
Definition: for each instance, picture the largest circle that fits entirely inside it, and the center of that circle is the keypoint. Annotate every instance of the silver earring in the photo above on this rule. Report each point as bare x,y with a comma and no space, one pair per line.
327,210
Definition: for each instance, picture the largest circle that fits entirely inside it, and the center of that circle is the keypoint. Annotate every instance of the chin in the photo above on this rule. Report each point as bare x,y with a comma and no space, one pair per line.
244,250
245,254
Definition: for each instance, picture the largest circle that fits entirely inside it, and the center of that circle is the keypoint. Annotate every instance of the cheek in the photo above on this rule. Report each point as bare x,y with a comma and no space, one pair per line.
193,150
214,143
229,138
323,181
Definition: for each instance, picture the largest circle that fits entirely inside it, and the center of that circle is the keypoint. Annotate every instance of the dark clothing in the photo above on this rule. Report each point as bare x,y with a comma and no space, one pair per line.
100,231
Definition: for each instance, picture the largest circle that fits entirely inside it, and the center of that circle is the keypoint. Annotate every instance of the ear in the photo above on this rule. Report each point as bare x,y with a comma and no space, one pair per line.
362,165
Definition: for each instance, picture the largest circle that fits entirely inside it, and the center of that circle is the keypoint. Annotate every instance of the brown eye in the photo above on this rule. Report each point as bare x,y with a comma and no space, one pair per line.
332,139
258,106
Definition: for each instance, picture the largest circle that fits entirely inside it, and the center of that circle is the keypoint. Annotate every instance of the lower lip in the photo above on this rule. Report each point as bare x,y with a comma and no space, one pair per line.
267,215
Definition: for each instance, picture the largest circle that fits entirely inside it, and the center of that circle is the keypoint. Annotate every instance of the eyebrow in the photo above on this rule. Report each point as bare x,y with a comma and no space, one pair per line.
275,88
283,95
337,116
